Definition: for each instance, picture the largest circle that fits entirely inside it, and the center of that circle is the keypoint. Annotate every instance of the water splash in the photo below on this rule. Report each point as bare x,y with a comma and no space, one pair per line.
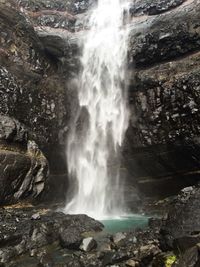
101,122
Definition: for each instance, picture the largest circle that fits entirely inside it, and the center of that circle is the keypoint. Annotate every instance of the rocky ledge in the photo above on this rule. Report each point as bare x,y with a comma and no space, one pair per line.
41,236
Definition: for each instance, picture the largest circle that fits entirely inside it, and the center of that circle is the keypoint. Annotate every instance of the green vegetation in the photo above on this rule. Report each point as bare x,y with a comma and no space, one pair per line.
170,260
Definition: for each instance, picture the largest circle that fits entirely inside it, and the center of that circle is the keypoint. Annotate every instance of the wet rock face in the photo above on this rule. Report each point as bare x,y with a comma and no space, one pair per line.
168,100
23,167
154,7
32,87
162,143
74,7
57,14
166,36
29,86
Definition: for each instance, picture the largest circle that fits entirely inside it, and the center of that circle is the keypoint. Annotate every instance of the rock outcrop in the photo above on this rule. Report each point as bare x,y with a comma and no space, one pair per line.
31,89
162,146
27,234
23,167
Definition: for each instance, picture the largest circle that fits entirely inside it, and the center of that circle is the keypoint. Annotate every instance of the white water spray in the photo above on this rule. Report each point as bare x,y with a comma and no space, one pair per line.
94,147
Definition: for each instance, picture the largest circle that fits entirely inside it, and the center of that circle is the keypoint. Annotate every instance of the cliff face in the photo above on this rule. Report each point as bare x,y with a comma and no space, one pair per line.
163,137
31,89
39,55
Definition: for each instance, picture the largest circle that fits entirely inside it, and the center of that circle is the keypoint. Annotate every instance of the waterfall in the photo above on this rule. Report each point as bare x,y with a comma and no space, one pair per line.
102,119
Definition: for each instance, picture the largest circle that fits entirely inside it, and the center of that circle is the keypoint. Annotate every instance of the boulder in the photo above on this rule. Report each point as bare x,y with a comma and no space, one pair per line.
190,258
12,131
181,229
70,238
118,237
24,168
29,236
88,244
147,253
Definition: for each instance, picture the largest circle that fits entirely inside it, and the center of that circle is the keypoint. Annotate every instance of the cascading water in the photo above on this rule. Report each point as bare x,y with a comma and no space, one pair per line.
93,148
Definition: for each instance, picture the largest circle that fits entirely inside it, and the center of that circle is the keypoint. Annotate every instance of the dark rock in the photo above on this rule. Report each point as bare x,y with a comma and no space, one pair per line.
161,151
118,237
190,258
114,257
165,37
31,88
164,129
12,131
24,168
181,229
75,7
46,261
70,238
183,243
154,7
155,223
147,253
32,235
63,46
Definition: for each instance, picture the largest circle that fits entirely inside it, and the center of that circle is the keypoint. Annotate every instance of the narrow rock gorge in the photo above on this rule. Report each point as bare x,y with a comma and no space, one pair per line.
41,43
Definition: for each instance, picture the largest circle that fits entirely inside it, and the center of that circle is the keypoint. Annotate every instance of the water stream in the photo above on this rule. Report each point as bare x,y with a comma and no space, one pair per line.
93,148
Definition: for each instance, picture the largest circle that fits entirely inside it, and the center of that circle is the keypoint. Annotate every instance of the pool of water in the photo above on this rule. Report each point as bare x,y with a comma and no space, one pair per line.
125,223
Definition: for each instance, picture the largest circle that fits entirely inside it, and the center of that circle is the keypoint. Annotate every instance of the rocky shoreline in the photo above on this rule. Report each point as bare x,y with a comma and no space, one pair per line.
41,236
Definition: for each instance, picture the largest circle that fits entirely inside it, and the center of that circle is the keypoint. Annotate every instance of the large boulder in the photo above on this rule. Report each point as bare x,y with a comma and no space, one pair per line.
184,214
23,167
